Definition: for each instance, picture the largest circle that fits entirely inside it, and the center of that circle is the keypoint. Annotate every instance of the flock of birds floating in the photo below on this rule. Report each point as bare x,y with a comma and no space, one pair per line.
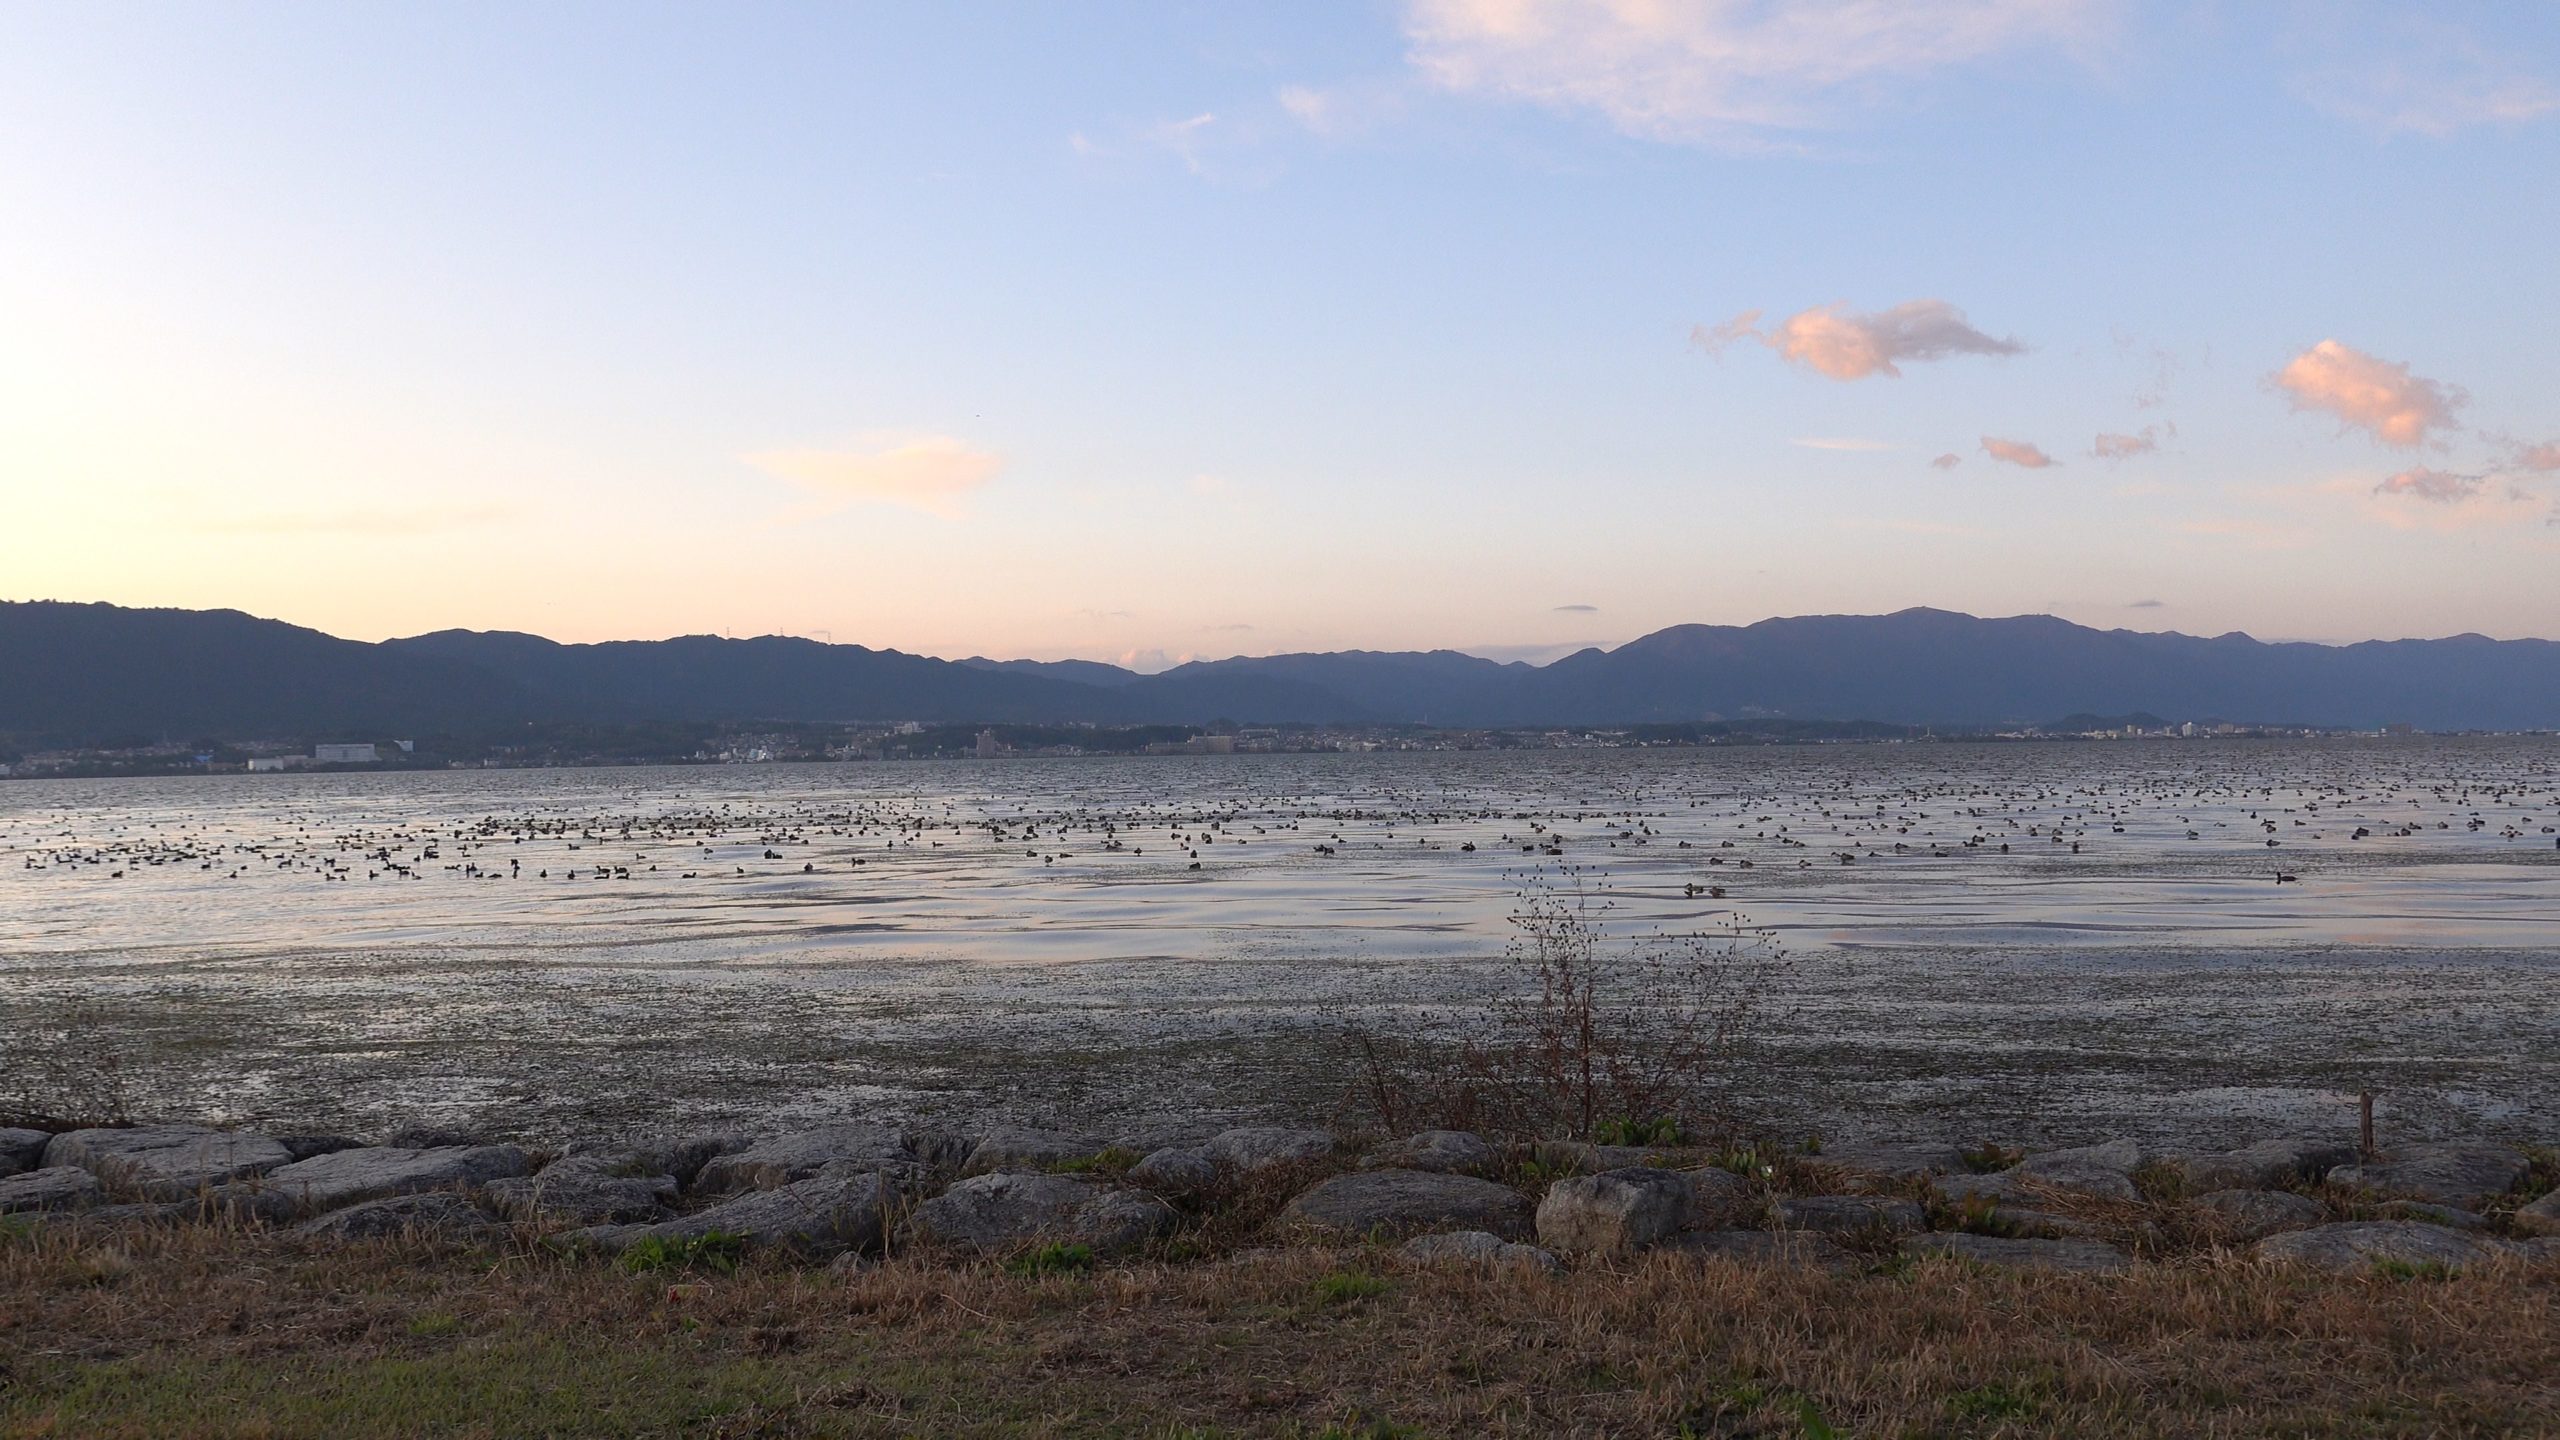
1845,816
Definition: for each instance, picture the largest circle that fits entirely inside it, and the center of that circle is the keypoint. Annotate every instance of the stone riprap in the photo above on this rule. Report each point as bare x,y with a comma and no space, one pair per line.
860,1188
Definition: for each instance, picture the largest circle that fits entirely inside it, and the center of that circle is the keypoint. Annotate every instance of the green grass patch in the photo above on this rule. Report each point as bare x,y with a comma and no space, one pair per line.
1051,1260
1342,1287
715,1250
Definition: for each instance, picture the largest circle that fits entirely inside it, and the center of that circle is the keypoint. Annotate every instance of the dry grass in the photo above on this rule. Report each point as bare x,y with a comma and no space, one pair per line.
209,1332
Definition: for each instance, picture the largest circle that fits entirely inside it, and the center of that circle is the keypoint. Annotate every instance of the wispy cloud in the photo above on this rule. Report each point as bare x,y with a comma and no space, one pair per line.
2437,486
2369,393
1577,609
1831,443
2125,447
1338,112
2423,77
2146,605
932,473
1835,341
1722,71
2017,452
1948,461
2542,459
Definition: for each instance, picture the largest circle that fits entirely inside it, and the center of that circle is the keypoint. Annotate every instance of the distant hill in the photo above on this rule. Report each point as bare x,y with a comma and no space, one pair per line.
89,674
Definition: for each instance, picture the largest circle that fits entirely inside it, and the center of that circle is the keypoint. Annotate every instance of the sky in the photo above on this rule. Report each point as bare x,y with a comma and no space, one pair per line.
1149,332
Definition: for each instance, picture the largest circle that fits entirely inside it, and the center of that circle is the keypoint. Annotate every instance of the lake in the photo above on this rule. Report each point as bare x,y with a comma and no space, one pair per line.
2044,940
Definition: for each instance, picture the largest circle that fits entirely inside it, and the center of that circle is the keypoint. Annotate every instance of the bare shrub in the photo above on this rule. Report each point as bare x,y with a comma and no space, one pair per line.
1595,1036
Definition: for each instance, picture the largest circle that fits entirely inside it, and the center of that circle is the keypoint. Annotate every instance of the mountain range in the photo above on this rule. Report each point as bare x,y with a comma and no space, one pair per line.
77,673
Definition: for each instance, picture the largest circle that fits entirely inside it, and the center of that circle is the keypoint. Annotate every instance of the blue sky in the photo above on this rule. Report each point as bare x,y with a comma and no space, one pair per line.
1138,332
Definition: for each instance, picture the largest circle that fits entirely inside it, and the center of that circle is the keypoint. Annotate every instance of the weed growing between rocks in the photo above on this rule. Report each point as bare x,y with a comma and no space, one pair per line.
1618,1040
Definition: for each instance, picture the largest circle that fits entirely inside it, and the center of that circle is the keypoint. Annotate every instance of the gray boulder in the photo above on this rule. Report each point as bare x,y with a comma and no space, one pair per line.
1849,1214
1581,1157
1017,1149
1716,1197
21,1150
1893,1159
1177,1170
821,1216
2545,1247
2465,1174
2020,1185
779,1160
303,1147
166,1162
2426,1214
1006,1211
1449,1152
2257,1214
344,1177
2267,1165
2361,1245
1396,1202
2542,1217
1255,1149
1477,1247
2089,1256
587,1190
56,1187
2103,1171
438,1213
1616,1211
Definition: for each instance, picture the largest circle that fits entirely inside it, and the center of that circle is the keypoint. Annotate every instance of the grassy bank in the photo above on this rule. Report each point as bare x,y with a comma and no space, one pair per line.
211,1332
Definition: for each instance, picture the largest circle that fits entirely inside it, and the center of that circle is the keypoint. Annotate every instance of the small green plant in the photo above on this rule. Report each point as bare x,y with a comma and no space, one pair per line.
1747,1162
1988,1159
1344,1286
1052,1260
434,1324
1812,1144
1980,1215
1995,1401
1899,1265
1809,1417
2394,1268
714,1250
1661,1130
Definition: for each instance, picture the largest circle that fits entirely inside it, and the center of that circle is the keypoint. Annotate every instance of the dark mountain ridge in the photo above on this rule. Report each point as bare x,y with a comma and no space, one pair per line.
76,674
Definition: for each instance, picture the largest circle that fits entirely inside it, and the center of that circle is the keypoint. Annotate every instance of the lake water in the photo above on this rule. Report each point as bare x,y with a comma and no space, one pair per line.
2050,939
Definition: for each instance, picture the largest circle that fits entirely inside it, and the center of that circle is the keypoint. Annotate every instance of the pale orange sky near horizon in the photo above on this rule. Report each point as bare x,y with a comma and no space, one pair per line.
1149,334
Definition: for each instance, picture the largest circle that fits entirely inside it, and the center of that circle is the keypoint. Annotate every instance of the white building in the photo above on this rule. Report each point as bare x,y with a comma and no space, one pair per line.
344,755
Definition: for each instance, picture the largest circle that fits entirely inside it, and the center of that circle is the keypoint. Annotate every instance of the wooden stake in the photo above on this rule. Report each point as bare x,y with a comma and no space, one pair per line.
2364,1103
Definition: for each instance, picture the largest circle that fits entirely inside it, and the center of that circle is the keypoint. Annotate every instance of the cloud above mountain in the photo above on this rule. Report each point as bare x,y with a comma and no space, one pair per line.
2125,447
2017,452
2381,397
2440,486
1835,341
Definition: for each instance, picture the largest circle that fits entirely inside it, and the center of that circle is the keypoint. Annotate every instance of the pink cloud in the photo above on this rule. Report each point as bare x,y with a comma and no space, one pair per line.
2542,459
2369,393
1948,461
2125,447
2016,452
2438,486
1833,341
